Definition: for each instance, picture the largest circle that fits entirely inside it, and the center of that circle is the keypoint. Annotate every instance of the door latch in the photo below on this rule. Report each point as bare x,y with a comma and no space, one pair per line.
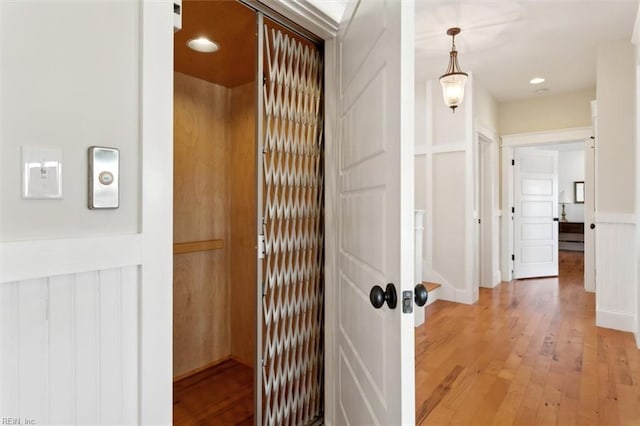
407,302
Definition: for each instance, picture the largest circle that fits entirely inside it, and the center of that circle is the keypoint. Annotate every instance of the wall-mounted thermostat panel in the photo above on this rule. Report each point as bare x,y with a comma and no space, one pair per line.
104,179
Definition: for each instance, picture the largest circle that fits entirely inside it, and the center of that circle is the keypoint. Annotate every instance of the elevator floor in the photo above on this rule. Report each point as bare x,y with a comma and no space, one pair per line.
220,395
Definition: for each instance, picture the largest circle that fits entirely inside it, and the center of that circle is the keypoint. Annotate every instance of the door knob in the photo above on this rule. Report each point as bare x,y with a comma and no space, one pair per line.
378,296
592,226
421,295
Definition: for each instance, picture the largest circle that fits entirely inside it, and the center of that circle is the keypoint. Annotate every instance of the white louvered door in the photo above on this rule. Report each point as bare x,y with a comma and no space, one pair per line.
292,225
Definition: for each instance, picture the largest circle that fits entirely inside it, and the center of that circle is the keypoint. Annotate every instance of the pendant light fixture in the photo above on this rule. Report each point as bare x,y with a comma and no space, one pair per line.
454,80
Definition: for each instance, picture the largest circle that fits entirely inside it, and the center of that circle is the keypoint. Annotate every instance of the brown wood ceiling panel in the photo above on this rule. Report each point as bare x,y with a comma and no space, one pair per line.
228,23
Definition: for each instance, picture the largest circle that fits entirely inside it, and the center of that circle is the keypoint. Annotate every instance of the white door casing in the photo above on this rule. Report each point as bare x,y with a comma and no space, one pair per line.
486,203
373,349
589,215
535,221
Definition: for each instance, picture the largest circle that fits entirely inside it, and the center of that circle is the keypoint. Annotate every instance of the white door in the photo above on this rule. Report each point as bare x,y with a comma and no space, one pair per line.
589,216
535,217
373,356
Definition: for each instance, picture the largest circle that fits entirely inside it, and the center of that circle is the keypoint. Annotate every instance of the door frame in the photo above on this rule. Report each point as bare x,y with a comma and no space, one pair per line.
156,130
521,140
155,359
307,16
489,136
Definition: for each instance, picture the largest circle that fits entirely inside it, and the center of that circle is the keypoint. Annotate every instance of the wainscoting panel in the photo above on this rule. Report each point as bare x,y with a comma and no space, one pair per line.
70,348
616,297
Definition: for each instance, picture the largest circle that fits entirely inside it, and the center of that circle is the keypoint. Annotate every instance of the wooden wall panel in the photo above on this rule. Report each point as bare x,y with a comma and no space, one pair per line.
243,235
69,348
201,210
200,159
215,198
200,310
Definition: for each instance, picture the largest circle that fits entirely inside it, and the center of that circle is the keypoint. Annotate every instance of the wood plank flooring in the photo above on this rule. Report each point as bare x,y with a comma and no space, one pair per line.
528,353
220,395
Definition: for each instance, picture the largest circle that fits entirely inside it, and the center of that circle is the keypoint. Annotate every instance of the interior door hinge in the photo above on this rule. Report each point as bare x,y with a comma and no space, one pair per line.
513,209
513,162
513,257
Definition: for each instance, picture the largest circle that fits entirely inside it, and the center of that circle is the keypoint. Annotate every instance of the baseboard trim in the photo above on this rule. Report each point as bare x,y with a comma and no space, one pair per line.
615,320
434,296
464,296
202,368
497,277
241,361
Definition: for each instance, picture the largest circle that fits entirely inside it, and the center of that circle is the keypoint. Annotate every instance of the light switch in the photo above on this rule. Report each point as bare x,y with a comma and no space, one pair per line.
41,173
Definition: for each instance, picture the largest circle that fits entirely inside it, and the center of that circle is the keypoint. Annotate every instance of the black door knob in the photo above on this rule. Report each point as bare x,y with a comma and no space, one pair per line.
592,226
378,296
420,295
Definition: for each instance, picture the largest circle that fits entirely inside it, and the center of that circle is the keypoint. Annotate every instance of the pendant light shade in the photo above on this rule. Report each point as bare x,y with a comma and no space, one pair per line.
454,80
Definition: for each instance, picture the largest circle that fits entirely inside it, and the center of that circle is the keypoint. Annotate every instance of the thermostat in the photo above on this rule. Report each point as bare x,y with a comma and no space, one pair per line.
104,167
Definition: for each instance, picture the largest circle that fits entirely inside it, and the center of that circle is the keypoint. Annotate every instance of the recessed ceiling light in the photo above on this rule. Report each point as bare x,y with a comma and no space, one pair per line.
203,44
536,80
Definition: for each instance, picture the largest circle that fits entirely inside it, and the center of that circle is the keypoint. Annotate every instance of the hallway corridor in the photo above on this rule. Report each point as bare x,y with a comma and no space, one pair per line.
528,353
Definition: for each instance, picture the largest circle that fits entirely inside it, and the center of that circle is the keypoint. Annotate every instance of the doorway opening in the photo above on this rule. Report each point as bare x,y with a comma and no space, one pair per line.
215,199
248,219
488,258
574,153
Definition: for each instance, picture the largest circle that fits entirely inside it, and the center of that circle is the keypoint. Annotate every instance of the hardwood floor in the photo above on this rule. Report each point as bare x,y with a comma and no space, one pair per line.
220,395
528,353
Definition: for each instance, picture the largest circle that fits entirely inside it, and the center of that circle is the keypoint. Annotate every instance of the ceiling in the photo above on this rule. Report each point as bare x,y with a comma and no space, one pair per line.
505,43
230,24
234,27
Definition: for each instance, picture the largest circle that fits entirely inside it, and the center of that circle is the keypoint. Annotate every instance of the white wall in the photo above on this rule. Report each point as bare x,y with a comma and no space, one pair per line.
615,146
70,79
90,348
485,108
447,147
616,256
546,112
444,189
448,177
570,170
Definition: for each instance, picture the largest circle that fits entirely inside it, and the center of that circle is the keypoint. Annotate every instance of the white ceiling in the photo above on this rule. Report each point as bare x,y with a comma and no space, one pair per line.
505,43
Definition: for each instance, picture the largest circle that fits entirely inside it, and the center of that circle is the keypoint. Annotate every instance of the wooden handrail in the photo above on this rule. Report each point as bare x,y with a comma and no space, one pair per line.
195,246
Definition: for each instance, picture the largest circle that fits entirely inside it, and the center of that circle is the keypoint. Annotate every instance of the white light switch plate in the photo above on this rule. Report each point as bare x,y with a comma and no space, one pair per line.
41,173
